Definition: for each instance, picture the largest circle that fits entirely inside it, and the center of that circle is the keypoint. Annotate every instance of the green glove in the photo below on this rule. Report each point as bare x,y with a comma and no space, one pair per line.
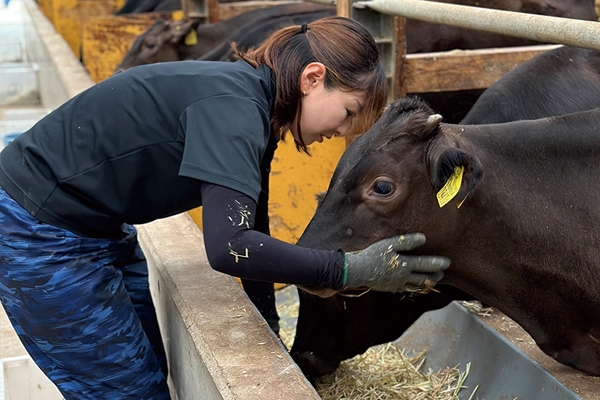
382,267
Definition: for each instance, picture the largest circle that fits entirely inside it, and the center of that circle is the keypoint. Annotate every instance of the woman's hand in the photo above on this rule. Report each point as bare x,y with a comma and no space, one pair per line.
383,267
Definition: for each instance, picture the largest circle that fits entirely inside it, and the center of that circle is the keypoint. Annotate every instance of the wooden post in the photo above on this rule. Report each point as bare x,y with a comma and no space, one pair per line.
344,8
213,11
186,9
399,77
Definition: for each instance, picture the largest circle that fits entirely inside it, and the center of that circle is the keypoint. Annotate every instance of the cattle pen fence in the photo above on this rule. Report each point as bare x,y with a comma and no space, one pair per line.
449,70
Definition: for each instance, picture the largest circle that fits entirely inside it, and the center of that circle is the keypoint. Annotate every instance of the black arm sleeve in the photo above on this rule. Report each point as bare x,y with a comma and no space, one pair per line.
235,248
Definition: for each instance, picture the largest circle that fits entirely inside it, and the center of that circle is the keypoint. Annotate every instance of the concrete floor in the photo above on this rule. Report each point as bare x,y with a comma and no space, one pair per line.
10,345
13,118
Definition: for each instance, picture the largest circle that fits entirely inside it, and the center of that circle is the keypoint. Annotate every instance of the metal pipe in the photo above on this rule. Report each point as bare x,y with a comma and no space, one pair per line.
327,2
546,29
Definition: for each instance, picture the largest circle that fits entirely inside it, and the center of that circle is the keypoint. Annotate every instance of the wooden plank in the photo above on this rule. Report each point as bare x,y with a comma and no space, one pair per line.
464,69
228,10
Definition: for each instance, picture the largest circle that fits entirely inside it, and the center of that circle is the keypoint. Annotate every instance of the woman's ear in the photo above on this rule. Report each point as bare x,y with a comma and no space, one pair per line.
312,76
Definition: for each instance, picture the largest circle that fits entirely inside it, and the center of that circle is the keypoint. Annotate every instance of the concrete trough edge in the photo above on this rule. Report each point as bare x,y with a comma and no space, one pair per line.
218,345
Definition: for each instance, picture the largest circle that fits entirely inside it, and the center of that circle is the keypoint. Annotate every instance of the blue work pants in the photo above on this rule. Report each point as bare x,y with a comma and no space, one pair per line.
82,308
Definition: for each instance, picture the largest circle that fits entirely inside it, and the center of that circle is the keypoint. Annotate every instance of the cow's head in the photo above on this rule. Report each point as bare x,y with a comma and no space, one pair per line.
387,180
162,42
385,184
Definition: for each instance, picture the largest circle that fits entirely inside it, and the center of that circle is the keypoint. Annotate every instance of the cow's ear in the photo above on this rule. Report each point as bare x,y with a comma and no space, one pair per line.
454,175
181,29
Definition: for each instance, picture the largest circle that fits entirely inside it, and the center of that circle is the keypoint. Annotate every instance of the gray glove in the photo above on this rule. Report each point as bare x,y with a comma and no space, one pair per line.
381,266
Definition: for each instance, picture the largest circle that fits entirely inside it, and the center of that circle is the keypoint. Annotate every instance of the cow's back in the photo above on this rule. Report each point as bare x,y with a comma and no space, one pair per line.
560,81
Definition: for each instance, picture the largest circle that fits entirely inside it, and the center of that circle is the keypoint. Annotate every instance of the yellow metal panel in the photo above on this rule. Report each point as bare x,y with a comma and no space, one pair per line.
118,4
296,179
106,40
66,22
69,16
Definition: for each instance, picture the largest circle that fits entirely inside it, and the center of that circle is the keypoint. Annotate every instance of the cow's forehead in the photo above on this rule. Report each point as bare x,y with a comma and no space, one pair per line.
393,136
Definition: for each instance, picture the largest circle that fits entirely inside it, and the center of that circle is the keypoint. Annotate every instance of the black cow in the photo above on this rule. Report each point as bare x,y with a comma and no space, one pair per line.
554,83
142,6
425,37
165,41
526,238
560,81
255,33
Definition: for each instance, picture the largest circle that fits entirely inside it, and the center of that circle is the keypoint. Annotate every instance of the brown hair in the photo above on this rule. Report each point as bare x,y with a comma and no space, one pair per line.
344,47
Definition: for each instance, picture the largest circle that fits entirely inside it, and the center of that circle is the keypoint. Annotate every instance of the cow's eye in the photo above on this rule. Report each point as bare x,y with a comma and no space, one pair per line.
150,45
383,188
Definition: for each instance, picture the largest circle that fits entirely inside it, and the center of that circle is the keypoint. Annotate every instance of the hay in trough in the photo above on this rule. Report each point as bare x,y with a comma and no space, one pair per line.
385,372
288,308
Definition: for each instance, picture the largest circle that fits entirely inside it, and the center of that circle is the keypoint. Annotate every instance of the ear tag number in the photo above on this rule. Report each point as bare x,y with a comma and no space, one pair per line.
452,186
191,38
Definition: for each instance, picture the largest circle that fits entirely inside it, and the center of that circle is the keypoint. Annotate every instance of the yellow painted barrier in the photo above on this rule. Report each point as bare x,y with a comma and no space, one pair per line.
69,16
106,40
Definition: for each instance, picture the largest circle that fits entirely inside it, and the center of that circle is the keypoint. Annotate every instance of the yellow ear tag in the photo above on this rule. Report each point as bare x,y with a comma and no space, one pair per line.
191,38
451,187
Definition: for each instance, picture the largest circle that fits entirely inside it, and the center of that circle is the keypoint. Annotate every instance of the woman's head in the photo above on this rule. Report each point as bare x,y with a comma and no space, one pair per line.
329,79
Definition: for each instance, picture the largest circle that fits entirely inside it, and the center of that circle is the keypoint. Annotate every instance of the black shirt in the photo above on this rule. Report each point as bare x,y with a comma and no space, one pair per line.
154,141
136,146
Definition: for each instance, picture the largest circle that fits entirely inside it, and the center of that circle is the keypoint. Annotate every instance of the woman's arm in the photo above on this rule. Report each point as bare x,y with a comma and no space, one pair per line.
235,248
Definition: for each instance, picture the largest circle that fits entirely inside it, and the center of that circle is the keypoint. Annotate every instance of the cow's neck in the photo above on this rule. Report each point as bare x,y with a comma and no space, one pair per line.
532,224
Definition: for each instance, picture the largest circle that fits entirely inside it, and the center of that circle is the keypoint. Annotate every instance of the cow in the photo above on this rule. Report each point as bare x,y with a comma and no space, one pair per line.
561,81
254,34
521,223
166,41
142,6
425,37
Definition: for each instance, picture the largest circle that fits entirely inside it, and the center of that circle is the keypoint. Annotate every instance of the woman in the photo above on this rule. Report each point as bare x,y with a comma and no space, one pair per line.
159,140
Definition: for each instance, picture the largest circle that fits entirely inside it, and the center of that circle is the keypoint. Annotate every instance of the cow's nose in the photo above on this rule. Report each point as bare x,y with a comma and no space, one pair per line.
312,366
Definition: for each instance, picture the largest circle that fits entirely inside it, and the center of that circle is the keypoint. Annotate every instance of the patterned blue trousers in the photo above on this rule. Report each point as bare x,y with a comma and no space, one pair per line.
82,308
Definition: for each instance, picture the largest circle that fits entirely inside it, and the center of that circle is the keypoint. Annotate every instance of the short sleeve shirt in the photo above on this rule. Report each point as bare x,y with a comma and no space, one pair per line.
136,147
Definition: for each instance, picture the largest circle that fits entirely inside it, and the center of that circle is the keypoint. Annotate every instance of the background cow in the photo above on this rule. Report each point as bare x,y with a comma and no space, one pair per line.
253,34
165,41
554,83
560,81
525,240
